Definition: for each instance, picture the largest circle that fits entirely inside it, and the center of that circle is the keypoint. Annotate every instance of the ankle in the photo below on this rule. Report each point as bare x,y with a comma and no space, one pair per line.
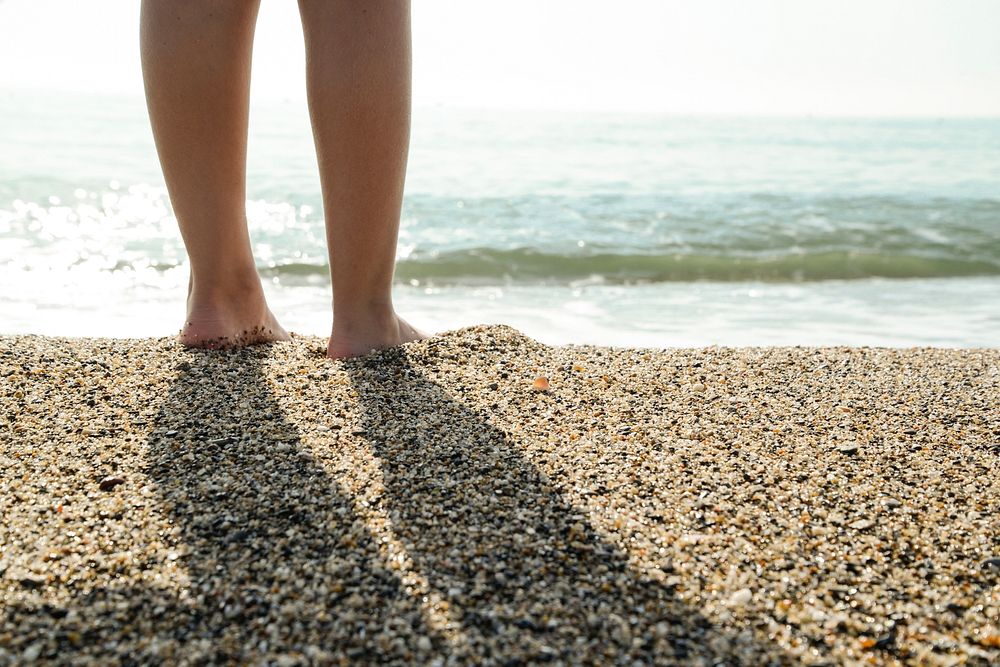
379,312
234,289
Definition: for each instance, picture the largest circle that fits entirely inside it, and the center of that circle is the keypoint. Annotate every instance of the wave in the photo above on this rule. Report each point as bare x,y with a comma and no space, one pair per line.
548,239
529,266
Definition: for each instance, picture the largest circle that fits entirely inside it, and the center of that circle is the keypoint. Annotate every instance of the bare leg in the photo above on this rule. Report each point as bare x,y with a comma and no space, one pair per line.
196,66
358,77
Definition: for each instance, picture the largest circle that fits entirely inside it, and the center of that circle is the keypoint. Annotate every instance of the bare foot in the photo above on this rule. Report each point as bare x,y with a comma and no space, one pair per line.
352,338
230,321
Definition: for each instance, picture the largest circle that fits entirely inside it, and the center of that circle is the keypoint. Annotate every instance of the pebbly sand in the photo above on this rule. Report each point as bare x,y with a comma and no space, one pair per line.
427,505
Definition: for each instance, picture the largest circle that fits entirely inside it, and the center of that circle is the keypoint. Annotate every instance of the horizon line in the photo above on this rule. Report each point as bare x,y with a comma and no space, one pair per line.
261,100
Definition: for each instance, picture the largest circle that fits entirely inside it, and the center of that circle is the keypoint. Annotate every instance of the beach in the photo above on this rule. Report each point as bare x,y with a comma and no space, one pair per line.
482,498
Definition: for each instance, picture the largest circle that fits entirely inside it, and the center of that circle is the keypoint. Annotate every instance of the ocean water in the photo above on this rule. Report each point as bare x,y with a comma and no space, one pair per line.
645,230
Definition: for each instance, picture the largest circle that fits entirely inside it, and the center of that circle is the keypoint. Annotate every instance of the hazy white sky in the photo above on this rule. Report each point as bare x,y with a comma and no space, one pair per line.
855,57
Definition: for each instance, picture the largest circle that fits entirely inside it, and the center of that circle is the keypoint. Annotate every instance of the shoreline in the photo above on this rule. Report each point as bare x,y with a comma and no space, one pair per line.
794,505
946,313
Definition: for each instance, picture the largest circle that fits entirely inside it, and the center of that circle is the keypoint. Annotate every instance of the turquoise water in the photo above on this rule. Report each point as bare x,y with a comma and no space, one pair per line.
617,229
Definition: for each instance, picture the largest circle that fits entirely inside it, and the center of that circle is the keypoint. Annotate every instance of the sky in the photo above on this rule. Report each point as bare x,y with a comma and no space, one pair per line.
766,57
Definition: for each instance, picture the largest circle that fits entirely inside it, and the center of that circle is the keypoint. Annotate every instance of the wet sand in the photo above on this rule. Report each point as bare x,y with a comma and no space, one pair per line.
435,503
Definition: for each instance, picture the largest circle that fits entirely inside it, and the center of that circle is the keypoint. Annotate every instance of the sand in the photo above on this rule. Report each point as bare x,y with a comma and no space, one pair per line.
429,504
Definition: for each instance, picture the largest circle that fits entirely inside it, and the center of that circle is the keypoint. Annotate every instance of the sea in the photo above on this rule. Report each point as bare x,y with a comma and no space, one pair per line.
644,230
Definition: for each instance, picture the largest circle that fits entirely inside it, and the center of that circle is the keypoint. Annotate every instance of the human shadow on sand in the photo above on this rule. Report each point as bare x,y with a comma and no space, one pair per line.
271,563
279,564
263,561
526,575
